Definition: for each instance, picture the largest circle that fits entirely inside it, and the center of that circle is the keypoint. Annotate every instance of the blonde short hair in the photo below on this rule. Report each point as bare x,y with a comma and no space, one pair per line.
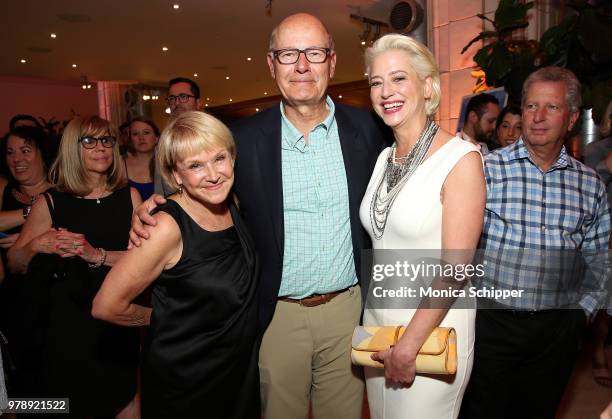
188,134
422,61
68,171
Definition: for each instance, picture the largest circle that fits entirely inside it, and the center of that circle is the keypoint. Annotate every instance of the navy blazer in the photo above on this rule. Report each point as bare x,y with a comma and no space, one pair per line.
258,185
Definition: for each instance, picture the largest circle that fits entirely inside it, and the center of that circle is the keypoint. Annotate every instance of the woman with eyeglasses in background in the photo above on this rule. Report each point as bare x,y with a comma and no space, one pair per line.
85,223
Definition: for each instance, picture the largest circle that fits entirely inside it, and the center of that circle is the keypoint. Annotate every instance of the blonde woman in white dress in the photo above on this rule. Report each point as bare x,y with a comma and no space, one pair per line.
439,204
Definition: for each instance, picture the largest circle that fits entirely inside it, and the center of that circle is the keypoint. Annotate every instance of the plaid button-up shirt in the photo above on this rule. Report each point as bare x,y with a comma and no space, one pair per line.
541,227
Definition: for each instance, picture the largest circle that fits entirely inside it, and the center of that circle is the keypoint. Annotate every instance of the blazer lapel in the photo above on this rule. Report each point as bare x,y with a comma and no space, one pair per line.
351,144
268,149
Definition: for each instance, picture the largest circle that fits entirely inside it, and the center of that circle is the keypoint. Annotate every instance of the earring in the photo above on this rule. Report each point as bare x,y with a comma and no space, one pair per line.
180,189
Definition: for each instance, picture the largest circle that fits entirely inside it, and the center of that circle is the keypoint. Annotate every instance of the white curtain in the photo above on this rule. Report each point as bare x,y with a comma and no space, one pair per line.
112,103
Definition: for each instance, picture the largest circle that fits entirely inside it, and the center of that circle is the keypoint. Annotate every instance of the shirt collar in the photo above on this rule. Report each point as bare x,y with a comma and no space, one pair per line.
465,137
518,151
327,122
292,137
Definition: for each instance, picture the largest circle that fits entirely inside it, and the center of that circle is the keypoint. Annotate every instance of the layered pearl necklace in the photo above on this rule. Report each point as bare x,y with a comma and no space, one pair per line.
397,173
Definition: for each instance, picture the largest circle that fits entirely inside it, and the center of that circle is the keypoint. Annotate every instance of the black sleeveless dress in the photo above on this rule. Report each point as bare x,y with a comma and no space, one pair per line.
92,362
18,316
201,357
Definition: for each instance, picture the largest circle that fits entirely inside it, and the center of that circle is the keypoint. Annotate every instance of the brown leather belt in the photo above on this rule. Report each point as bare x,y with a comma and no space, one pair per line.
314,299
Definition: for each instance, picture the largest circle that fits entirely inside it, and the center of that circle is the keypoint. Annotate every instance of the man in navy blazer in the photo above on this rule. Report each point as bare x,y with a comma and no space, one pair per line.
259,186
301,172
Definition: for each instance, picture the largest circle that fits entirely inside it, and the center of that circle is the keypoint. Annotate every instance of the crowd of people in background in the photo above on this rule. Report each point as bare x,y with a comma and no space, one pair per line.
246,263
65,214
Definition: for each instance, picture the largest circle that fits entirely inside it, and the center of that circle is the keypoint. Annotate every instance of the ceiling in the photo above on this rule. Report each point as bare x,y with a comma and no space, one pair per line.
122,40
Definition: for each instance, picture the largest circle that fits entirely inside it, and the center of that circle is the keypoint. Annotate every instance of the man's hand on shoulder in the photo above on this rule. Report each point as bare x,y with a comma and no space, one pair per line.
140,217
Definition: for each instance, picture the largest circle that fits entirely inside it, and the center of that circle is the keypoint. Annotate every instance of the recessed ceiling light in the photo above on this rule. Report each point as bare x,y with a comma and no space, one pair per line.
22,61
365,74
207,98
164,48
176,6
339,96
248,58
206,105
363,43
195,74
167,110
74,66
265,93
53,36
84,86
231,100
226,77
256,109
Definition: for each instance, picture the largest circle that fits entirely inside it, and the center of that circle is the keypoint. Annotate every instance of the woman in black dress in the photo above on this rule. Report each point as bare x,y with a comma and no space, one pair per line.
84,222
200,360
27,152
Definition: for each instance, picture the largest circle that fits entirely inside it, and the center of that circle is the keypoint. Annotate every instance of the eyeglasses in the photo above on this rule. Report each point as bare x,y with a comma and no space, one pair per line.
91,142
182,98
292,55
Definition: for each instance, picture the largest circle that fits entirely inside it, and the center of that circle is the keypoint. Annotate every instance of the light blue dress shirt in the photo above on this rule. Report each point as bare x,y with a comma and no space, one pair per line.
318,252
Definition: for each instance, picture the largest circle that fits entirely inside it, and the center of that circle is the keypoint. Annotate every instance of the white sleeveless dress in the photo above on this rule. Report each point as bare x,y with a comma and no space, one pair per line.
415,222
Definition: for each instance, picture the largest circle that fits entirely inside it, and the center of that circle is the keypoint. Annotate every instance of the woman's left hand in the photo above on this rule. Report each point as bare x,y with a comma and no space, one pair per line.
400,363
75,243
88,253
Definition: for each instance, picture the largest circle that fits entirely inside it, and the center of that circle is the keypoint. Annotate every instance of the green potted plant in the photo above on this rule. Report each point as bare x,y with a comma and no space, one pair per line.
582,42
504,60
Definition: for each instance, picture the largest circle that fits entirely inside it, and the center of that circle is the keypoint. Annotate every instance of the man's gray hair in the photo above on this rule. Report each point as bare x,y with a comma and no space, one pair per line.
573,89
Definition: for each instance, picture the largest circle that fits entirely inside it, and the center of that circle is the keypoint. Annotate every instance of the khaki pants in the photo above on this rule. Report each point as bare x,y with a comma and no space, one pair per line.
305,355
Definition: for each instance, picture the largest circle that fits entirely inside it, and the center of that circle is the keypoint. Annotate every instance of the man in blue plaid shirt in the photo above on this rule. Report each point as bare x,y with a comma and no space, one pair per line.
545,212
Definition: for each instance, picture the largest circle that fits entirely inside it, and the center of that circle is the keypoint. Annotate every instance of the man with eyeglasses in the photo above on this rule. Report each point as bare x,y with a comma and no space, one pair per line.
302,168
183,95
301,172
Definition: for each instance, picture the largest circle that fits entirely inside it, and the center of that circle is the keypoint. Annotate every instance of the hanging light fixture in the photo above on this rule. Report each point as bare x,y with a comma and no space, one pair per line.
371,29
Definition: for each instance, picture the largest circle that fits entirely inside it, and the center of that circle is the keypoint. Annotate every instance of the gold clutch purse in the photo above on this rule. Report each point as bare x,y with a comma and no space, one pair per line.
438,355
